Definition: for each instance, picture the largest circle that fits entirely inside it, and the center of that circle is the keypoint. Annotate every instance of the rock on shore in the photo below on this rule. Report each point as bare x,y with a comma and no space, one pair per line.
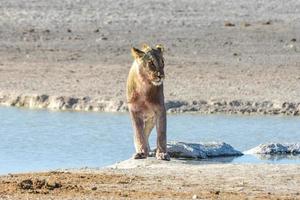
173,106
63,103
201,150
275,148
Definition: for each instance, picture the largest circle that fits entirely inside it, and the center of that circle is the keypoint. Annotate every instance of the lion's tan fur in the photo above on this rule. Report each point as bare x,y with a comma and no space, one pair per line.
146,100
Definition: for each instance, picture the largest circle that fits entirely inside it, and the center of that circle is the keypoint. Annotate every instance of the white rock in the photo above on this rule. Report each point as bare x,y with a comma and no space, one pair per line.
275,148
201,150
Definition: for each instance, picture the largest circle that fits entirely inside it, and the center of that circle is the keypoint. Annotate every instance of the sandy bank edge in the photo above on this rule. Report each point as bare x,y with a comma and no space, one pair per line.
173,106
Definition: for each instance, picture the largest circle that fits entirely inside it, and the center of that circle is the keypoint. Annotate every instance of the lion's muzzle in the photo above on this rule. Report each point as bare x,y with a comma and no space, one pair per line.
157,82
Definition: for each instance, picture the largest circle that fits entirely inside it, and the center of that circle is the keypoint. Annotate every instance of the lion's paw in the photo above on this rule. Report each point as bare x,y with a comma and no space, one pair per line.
163,156
139,156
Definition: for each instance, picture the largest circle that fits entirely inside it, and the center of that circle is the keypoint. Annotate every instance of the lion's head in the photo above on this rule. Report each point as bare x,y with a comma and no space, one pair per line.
150,63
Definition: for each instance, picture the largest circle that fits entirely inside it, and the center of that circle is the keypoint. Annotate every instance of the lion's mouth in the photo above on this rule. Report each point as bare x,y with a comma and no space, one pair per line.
157,82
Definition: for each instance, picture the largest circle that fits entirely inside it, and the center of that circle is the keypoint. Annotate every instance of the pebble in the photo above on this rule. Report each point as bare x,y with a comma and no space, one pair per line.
51,185
26,184
269,22
229,24
246,24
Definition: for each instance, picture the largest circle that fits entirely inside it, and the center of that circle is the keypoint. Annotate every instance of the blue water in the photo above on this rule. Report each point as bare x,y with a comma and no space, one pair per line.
33,140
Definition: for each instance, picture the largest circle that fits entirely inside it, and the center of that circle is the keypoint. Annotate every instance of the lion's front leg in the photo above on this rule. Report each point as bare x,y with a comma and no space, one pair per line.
141,146
161,128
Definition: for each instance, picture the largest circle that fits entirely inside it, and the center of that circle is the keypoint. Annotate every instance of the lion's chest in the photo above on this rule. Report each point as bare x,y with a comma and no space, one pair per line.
142,103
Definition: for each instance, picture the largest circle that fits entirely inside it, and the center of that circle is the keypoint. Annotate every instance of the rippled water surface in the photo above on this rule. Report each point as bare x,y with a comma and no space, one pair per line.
40,140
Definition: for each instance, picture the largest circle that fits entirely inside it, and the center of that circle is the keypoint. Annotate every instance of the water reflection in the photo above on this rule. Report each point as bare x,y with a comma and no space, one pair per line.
277,157
215,160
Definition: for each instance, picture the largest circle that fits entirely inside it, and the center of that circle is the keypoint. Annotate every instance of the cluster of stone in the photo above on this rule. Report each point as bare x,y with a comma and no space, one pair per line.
172,106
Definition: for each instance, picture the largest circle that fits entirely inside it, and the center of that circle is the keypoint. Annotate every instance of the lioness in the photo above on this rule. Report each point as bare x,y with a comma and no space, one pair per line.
145,97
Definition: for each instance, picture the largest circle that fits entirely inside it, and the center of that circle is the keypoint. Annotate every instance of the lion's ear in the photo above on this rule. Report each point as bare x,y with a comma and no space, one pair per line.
160,48
136,53
146,47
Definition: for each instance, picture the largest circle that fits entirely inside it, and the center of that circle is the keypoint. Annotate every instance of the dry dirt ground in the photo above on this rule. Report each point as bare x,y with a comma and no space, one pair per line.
158,181
223,50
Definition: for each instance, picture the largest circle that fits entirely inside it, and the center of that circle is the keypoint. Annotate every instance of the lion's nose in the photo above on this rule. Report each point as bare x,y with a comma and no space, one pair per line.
159,75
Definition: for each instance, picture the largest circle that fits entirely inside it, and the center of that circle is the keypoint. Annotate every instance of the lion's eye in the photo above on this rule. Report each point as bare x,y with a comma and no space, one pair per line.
150,62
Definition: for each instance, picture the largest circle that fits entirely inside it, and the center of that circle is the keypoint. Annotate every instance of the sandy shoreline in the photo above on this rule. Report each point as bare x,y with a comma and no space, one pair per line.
217,52
152,179
200,106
